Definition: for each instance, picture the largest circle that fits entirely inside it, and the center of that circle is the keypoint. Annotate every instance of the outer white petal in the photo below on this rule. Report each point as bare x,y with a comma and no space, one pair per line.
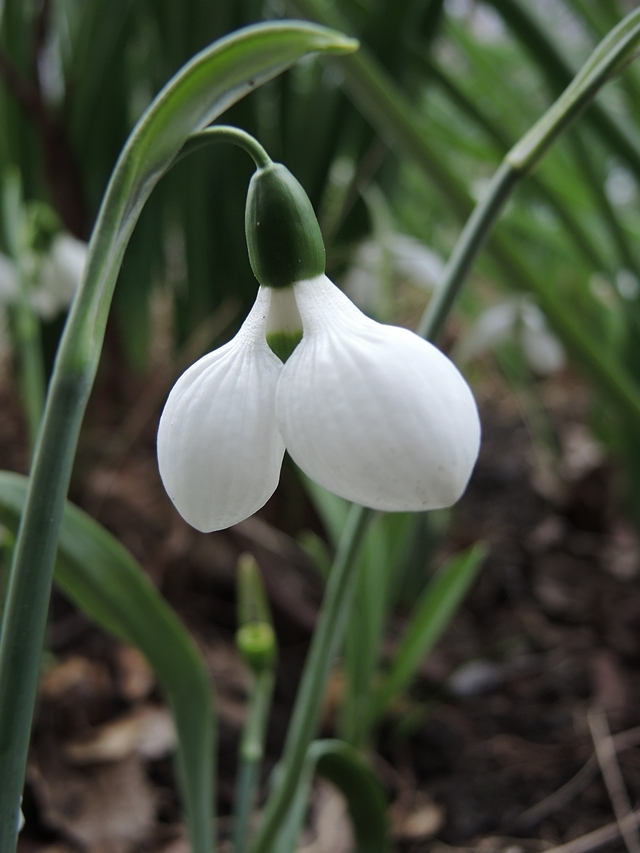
219,448
541,348
374,413
495,326
60,274
416,261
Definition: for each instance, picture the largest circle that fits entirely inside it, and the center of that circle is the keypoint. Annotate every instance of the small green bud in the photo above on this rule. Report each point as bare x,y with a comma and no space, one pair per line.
256,643
283,236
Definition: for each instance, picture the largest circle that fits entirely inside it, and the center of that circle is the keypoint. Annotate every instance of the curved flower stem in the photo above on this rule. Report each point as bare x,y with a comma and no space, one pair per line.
226,133
470,242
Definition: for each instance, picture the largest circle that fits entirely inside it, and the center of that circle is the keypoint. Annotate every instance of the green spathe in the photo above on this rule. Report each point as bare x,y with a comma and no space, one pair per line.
283,236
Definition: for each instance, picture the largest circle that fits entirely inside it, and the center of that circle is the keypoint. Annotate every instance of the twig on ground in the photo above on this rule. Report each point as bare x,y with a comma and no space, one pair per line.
599,837
612,775
565,794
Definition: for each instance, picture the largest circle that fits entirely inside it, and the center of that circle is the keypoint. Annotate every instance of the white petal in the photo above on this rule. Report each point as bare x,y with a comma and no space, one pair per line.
374,413
495,326
60,275
416,261
542,350
219,448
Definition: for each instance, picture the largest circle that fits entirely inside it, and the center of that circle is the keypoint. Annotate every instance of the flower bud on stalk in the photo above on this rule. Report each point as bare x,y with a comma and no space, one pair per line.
372,412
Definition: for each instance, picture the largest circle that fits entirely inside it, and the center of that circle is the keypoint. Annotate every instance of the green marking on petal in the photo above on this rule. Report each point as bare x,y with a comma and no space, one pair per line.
284,343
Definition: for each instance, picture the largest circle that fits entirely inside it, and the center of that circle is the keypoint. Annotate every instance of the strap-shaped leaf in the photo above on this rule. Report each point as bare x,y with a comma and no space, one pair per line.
343,766
108,584
431,615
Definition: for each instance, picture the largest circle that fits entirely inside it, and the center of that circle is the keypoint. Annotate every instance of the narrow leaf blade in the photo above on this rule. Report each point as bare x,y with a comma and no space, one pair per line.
105,581
431,616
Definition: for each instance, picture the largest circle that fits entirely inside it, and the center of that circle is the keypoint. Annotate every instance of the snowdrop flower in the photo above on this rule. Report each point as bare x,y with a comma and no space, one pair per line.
59,275
373,413
518,319
55,275
405,255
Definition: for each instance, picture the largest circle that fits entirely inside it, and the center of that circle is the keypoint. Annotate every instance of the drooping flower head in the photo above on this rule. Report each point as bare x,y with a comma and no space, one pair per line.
373,413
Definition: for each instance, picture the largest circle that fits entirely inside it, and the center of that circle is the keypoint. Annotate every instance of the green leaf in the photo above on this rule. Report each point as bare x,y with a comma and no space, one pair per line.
432,614
344,767
106,582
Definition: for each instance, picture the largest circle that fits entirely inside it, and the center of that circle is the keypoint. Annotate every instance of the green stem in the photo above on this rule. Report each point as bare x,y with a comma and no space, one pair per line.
28,590
251,755
583,241
324,647
230,134
31,366
559,75
472,239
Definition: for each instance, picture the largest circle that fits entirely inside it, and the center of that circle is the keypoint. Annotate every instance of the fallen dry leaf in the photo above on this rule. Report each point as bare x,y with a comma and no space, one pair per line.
107,808
77,674
330,826
147,731
135,677
180,845
417,817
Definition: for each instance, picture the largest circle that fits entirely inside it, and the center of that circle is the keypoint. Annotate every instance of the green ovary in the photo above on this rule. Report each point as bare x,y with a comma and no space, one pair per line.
284,343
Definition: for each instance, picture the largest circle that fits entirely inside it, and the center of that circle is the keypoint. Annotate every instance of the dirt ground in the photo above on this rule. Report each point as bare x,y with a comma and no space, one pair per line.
493,750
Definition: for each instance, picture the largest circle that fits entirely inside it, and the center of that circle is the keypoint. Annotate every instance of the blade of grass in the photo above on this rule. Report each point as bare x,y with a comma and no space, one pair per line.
344,767
432,614
559,75
583,241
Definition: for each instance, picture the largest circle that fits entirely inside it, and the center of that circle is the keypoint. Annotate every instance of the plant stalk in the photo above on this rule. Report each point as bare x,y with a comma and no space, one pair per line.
28,591
326,641
251,755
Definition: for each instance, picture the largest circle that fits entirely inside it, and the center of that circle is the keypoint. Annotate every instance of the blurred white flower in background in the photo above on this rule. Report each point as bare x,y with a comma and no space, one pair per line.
55,275
392,255
620,186
517,319
59,276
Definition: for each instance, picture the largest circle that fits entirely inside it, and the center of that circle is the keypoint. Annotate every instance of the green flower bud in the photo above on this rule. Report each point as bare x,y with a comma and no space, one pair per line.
283,236
256,643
